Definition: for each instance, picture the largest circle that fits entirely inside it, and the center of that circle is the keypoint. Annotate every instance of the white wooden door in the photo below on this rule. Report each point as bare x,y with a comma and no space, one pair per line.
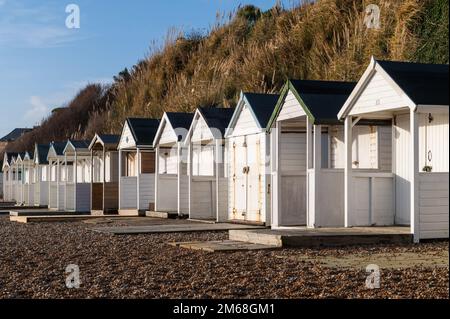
239,177
254,179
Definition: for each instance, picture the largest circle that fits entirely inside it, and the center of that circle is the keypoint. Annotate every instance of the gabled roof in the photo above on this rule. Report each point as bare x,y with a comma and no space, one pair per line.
77,146
20,157
15,134
143,130
58,148
321,100
217,118
261,107
7,158
178,121
425,84
422,84
108,141
41,152
29,155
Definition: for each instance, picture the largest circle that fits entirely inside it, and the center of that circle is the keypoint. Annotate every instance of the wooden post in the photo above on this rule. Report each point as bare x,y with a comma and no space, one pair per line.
414,175
348,141
179,178
57,183
138,178
156,178
317,165
218,174
309,165
276,181
189,173
92,178
103,180
75,178
120,178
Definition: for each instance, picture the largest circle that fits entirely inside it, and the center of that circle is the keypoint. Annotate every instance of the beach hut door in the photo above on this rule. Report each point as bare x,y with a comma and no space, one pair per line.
239,178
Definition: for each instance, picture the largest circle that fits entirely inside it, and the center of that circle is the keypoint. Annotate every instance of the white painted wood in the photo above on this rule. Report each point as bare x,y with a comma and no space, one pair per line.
167,194
414,174
293,152
128,192
201,131
433,205
146,190
402,171
329,205
126,138
291,108
434,142
168,160
202,198
168,135
246,124
348,142
378,95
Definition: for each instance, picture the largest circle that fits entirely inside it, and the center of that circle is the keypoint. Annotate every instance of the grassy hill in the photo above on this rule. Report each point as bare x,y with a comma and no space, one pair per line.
256,51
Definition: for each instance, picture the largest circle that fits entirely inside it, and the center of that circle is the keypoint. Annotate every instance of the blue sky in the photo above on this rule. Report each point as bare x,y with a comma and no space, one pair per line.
43,63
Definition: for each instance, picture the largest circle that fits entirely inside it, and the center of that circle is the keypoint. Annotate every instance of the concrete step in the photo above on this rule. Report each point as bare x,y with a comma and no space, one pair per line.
38,212
221,245
165,215
323,237
256,237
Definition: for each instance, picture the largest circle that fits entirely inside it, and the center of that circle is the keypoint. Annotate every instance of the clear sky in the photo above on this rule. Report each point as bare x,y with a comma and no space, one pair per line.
43,63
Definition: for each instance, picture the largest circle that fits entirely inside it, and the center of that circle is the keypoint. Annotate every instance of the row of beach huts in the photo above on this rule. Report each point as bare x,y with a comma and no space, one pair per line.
319,154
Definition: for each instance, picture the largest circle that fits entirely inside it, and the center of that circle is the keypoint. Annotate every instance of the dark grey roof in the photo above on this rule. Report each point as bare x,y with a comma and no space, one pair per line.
143,130
180,120
31,154
262,105
109,139
59,147
14,134
42,152
323,99
10,156
217,118
81,144
425,84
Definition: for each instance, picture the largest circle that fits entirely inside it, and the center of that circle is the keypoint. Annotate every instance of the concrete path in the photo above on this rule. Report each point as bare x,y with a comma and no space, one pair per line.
221,245
172,228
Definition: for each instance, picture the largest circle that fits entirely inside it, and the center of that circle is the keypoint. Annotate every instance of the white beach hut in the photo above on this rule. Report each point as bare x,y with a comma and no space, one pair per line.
8,176
307,153
57,176
104,174
18,178
208,184
137,166
28,185
77,181
414,97
41,175
248,160
171,181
